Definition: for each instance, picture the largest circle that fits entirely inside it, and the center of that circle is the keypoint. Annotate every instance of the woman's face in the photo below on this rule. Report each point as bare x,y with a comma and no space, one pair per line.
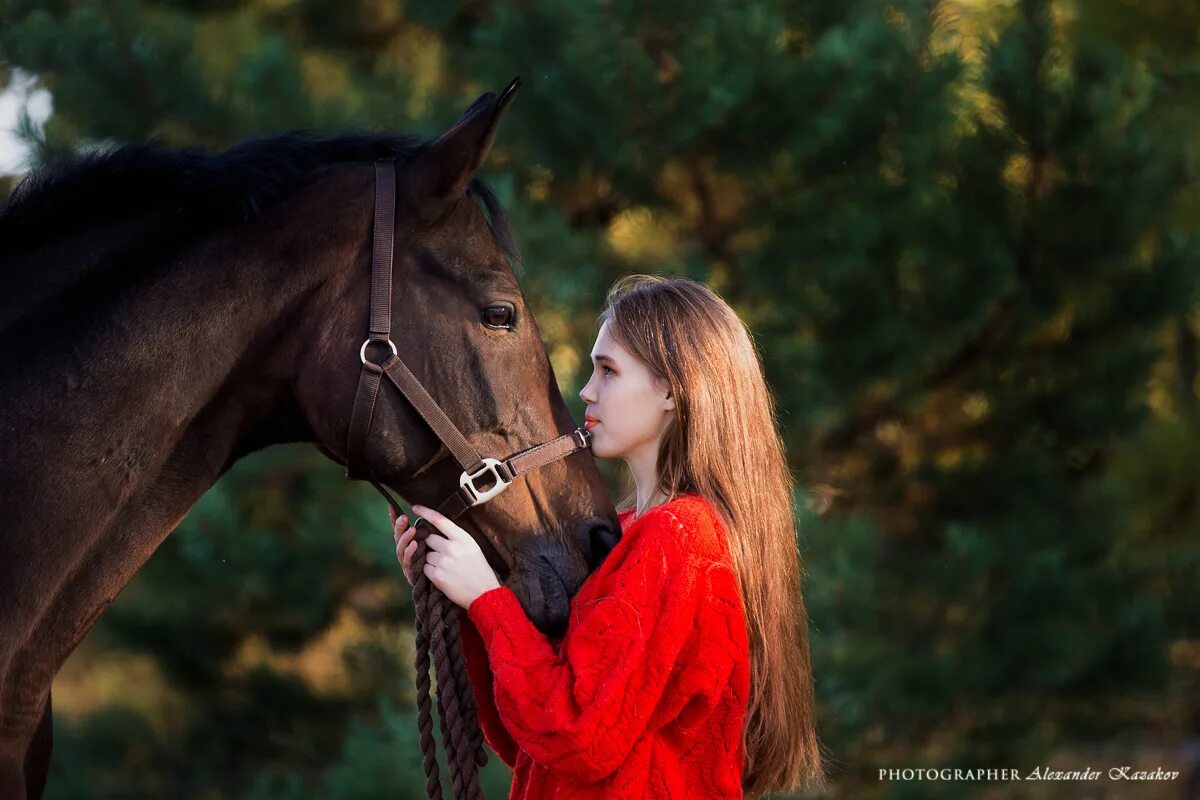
629,406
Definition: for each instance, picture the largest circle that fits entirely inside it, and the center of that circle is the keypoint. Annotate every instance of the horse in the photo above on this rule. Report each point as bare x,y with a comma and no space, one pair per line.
165,312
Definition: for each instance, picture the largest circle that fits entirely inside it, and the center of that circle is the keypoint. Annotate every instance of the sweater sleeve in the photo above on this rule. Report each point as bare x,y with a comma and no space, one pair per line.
480,675
579,711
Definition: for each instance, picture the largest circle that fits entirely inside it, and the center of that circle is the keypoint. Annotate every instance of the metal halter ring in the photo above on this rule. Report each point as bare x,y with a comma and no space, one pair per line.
467,481
362,351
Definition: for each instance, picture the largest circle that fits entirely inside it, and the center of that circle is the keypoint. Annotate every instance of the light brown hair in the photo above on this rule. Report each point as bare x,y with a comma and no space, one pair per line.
724,445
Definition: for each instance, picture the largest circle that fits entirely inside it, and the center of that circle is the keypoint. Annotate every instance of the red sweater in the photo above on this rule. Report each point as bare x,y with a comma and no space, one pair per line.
645,695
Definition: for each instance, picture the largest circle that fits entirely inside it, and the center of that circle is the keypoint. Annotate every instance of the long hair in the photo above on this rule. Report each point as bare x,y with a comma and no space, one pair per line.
724,445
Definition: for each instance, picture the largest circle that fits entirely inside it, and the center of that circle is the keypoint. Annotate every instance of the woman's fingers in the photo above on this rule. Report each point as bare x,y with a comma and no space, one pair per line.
407,559
405,538
406,548
445,526
406,545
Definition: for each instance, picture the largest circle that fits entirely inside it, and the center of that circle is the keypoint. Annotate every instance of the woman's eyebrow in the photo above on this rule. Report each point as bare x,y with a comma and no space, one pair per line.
601,357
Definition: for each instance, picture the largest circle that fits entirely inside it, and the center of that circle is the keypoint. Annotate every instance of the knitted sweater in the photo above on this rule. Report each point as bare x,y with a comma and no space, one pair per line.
645,695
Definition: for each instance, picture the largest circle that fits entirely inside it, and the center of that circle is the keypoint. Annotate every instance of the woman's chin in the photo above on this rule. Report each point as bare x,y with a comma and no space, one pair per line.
599,447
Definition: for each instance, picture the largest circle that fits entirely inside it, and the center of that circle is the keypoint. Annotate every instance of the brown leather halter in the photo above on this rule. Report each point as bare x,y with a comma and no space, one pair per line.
468,493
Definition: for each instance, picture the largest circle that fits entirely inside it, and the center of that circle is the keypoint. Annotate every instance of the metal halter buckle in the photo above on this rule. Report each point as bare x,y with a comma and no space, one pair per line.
585,437
467,481
362,351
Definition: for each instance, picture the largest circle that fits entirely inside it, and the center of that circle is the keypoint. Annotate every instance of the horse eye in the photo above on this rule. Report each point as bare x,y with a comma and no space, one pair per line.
498,317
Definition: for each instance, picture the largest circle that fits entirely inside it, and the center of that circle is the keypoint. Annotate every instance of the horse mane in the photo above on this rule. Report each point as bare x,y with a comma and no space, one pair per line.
208,191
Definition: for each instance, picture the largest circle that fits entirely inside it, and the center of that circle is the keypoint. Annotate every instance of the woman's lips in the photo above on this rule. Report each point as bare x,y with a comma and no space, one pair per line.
591,423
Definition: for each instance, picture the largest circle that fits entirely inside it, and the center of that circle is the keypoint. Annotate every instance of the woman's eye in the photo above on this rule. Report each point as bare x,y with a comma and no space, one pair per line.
608,370
498,317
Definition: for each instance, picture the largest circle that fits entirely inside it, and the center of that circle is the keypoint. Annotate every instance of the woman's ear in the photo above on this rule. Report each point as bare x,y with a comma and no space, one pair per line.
661,384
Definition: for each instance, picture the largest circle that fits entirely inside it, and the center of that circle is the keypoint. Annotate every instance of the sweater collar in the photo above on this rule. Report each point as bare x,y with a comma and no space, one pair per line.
627,518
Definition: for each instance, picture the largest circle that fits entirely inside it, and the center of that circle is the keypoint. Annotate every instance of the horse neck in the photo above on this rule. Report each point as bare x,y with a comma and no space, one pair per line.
120,415
152,396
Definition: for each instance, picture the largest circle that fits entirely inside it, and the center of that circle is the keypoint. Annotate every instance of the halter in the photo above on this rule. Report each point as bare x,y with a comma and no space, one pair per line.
502,471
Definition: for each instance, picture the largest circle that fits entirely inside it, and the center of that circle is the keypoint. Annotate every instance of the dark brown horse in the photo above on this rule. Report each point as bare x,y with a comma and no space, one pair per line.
164,313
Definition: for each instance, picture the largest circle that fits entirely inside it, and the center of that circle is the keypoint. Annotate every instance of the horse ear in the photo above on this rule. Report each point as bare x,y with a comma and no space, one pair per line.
447,164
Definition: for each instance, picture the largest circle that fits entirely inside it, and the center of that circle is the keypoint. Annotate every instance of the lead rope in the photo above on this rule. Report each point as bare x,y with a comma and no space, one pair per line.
437,635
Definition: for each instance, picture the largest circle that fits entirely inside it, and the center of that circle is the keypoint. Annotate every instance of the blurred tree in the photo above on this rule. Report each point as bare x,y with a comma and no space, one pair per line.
959,232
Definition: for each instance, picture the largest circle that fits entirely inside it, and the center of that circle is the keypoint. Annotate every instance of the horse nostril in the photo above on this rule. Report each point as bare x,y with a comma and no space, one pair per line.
601,540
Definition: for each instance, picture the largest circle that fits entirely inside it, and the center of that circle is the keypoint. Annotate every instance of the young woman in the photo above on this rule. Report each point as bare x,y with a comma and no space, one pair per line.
684,671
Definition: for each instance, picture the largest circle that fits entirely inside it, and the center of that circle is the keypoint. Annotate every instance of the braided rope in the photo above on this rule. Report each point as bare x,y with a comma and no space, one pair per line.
470,710
437,636
421,588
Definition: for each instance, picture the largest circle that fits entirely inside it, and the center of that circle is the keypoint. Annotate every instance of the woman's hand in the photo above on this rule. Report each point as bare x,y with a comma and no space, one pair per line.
406,545
454,562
